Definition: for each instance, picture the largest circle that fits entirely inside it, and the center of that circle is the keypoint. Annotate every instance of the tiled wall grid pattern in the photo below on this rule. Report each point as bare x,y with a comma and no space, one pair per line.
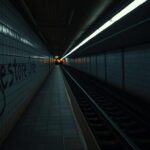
128,68
24,63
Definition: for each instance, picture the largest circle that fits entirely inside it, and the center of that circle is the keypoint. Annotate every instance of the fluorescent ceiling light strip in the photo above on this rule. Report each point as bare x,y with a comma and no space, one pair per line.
118,16
9,32
128,9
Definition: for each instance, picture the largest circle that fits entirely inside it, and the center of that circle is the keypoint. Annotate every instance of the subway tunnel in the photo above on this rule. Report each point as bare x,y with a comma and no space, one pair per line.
74,75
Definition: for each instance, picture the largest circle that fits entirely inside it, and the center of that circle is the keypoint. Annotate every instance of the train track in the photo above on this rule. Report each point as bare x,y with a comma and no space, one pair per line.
114,126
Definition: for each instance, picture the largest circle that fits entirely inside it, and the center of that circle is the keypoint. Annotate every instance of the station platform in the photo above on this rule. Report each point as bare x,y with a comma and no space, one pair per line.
48,123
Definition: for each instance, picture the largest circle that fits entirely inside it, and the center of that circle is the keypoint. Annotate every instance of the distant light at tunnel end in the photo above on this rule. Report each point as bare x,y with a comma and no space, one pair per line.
129,8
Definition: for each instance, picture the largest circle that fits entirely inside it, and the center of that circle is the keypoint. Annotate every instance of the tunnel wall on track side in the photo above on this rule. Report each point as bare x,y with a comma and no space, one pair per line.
24,64
120,55
127,69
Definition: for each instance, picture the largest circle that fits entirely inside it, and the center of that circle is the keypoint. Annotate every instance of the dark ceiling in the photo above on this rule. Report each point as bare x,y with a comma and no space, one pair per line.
62,22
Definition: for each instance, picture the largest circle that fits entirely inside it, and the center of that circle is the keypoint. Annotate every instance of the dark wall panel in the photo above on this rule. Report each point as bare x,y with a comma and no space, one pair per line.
101,66
137,70
114,68
93,65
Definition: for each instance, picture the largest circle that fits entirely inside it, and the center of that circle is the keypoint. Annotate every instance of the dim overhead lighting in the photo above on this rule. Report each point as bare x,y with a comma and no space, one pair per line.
56,57
118,16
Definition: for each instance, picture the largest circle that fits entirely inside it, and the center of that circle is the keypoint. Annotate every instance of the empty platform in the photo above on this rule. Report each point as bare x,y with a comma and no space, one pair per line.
48,123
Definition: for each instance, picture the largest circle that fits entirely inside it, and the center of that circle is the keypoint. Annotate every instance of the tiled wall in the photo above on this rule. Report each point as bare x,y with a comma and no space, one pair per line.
24,64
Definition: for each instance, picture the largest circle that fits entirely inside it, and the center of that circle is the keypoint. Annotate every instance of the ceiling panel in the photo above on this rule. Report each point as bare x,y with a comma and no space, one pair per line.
62,22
